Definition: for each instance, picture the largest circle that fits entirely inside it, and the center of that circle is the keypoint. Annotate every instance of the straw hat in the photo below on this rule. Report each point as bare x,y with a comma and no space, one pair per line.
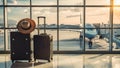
26,26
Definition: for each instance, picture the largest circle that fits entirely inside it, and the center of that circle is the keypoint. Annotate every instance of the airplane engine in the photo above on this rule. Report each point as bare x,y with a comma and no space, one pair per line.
26,26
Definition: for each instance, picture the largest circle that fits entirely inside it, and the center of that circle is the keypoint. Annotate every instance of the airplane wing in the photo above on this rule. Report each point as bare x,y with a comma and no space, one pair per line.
74,30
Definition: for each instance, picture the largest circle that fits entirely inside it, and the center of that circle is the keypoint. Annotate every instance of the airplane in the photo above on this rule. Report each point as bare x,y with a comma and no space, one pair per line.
90,31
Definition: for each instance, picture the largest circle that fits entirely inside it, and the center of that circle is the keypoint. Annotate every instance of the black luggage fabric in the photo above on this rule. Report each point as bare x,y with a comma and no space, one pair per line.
20,46
43,47
43,44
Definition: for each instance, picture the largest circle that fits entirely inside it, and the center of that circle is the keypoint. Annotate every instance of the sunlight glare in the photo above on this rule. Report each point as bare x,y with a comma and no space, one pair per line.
116,2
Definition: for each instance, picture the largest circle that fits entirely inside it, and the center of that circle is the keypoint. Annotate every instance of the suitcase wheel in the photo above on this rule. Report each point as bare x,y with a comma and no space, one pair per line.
29,60
12,61
49,60
35,60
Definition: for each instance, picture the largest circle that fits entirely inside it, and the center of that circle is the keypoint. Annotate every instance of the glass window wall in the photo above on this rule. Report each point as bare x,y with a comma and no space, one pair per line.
76,25
97,32
18,2
1,29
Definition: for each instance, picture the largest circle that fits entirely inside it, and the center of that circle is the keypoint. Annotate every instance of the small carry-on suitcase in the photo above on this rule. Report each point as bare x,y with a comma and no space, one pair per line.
20,46
43,45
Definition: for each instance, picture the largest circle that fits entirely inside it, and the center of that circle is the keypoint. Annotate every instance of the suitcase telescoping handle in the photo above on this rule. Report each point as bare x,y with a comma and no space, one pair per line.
44,24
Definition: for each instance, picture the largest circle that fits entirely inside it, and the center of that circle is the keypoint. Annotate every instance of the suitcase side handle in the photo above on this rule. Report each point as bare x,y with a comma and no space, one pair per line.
44,24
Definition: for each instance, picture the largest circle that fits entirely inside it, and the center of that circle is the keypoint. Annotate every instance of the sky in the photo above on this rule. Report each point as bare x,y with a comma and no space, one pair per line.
68,15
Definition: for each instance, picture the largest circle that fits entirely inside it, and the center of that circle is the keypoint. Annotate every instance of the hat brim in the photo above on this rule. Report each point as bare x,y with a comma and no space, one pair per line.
30,29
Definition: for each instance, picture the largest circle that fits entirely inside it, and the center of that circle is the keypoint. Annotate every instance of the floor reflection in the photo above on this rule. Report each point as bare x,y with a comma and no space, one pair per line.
21,65
66,61
32,65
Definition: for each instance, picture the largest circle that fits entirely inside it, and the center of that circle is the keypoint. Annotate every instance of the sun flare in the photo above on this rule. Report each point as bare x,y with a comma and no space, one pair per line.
116,2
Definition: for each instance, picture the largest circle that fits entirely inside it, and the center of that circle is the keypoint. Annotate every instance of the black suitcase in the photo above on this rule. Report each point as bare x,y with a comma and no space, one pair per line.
43,45
20,46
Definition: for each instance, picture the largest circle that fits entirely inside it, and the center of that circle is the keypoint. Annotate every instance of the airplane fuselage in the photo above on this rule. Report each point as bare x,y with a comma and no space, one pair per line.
90,31
90,34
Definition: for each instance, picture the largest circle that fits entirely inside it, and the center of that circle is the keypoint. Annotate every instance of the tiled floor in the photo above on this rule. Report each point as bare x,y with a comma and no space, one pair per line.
66,61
